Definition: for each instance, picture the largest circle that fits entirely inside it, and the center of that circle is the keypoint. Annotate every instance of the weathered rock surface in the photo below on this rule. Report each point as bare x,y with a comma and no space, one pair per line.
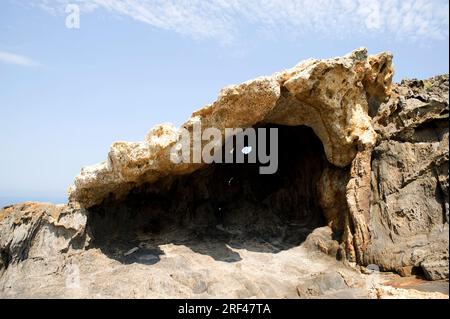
193,268
409,210
362,181
31,231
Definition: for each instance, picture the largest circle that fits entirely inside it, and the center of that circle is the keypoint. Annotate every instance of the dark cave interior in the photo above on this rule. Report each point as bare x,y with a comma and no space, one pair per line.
226,203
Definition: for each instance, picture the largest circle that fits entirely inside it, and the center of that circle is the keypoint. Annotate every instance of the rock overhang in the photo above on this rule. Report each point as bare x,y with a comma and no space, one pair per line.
330,96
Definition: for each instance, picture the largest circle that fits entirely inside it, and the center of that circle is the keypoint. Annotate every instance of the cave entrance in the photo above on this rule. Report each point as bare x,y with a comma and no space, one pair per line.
222,203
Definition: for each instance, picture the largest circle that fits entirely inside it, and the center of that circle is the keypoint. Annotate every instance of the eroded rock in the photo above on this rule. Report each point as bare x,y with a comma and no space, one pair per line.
37,230
363,179
409,198
330,96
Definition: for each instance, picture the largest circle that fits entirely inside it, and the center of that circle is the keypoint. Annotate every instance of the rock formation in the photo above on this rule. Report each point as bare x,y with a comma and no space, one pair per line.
330,96
362,181
409,207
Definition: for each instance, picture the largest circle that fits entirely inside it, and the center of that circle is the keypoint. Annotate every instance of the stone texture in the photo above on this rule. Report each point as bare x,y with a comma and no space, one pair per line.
182,267
409,199
40,231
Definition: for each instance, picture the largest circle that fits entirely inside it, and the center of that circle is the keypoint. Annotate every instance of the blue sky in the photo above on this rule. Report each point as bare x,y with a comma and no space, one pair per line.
67,94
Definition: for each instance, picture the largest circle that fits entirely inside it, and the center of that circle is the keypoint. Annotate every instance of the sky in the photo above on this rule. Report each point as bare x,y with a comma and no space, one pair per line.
67,93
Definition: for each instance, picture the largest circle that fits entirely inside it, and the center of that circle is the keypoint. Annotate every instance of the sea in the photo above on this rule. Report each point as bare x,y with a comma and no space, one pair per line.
10,200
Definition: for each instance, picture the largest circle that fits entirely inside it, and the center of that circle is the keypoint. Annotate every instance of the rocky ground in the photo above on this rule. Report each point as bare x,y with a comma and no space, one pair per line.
215,266
53,256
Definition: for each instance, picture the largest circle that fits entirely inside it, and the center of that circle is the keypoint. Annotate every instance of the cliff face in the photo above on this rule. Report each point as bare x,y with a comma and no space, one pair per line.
362,179
409,207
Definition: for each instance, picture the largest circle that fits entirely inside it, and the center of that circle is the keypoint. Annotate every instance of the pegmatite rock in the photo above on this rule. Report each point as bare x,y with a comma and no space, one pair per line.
377,136
40,231
330,96
409,208
379,185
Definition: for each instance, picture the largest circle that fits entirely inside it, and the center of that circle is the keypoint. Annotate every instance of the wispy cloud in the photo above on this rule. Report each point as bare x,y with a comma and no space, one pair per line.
225,20
12,58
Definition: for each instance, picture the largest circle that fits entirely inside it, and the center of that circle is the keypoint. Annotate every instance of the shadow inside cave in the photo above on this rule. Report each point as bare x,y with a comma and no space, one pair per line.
219,208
